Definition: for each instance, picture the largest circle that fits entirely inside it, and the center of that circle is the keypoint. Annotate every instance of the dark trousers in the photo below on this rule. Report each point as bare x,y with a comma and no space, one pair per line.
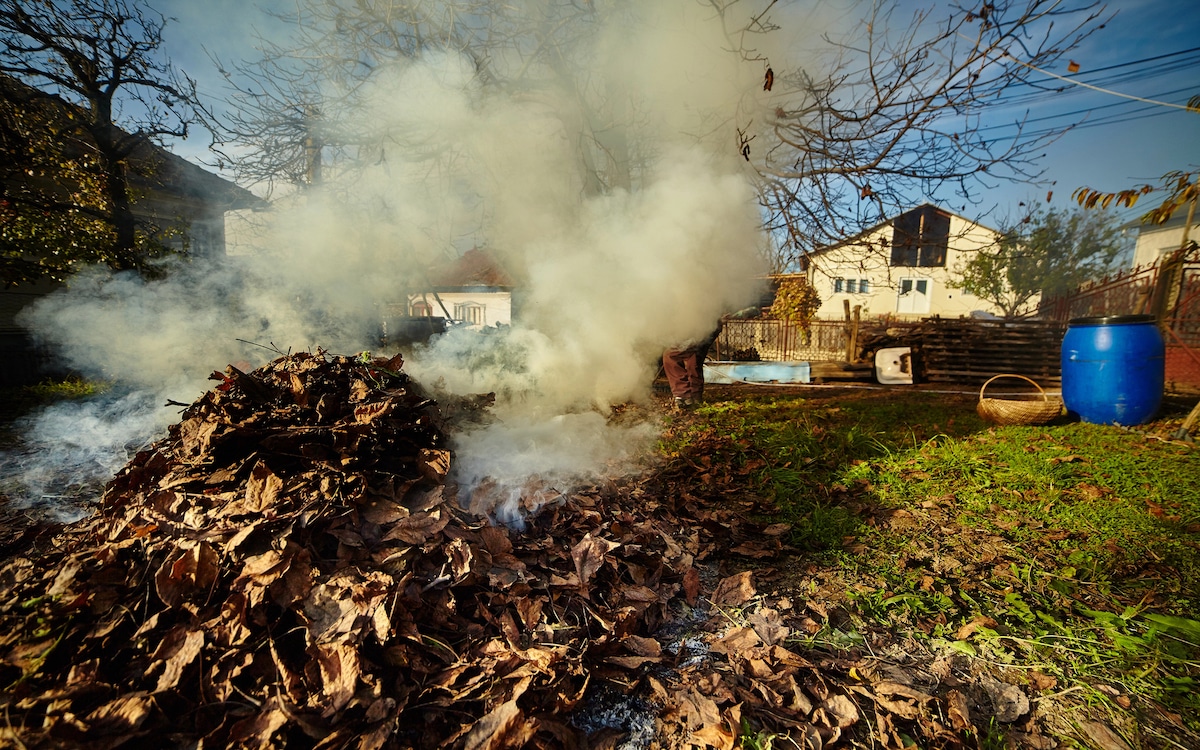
684,369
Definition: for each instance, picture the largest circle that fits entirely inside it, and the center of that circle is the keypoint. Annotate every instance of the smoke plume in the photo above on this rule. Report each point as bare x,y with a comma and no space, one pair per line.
608,270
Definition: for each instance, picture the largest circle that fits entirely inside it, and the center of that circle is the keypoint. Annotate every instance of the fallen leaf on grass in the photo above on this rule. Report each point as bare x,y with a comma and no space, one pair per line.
1071,459
1104,736
972,627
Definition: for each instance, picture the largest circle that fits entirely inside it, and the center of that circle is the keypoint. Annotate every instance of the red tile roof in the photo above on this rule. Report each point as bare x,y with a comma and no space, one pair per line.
473,268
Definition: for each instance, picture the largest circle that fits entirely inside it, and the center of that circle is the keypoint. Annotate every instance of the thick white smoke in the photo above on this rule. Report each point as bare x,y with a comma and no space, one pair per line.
606,278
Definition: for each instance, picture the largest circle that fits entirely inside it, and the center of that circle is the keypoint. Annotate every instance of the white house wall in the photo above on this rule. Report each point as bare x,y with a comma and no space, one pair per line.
1153,242
496,307
869,259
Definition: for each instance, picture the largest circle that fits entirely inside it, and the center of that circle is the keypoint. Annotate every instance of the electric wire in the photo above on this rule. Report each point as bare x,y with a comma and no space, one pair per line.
1086,110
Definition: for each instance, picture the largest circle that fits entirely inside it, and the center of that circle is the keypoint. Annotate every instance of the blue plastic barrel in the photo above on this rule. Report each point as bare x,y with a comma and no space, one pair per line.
1112,369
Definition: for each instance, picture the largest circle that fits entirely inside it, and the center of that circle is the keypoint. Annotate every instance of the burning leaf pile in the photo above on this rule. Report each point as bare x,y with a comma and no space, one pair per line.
290,568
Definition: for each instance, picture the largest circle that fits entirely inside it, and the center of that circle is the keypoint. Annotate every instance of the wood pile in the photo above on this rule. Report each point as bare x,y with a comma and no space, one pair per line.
965,350
289,568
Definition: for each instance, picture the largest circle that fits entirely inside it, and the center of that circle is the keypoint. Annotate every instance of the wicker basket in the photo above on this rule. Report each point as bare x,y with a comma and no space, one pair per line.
1013,411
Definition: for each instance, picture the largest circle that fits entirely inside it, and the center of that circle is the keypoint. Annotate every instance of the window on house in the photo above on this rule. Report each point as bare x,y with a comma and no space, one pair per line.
469,312
421,310
920,237
851,286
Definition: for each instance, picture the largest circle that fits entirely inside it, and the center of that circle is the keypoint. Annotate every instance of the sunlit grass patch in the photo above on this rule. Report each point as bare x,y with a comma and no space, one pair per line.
1068,553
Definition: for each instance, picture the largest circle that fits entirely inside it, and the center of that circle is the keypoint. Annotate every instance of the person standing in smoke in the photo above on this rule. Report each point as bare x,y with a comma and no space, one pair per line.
684,367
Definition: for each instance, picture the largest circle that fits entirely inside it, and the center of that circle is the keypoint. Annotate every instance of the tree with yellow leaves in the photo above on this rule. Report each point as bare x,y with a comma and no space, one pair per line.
1182,188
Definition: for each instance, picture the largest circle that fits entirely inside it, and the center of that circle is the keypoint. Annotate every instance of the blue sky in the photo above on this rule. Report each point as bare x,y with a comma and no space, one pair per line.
1119,143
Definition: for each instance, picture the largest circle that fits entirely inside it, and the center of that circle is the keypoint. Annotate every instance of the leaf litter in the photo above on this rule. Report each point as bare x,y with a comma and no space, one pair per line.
291,567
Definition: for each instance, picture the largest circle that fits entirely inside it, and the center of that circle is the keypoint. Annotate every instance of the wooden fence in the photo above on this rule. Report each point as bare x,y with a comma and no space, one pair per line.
959,350
779,341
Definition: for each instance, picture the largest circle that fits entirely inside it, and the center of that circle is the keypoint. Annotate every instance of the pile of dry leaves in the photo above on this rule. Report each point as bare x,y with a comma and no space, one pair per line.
289,568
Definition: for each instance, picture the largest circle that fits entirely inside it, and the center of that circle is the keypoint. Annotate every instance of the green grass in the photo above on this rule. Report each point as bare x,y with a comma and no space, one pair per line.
17,402
1072,551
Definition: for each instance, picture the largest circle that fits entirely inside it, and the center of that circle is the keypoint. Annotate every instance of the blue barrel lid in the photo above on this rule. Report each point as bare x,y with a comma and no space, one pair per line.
1112,320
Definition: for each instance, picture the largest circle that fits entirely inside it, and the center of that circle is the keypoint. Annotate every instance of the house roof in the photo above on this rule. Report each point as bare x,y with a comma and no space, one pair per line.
161,170
1175,222
178,176
888,221
476,267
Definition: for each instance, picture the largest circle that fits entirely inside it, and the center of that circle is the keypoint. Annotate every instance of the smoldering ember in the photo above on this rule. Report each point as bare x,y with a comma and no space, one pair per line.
290,567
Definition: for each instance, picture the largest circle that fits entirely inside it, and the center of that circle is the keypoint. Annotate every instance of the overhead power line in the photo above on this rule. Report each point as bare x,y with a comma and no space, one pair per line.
1164,56
1085,111
1075,82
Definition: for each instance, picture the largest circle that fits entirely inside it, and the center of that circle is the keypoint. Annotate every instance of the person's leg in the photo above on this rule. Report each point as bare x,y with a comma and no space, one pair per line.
675,368
696,373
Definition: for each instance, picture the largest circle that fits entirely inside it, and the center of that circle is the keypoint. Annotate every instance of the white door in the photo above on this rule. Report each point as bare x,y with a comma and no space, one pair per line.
914,296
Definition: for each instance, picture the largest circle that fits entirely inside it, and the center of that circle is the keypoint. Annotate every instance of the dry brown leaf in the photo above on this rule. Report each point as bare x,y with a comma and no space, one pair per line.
124,714
178,649
970,628
1071,459
63,580
417,528
434,465
735,590
496,540
959,711
384,512
641,594
367,413
256,730
895,689
191,572
502,727
632,662
196,435
691,586
339,671
641,646
757,549
1008,701
262,489
736,641
1104,736
842,709
703,711
589,555
769,625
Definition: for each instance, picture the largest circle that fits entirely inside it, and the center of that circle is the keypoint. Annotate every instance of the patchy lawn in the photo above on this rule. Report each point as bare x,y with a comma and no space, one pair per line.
987,586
